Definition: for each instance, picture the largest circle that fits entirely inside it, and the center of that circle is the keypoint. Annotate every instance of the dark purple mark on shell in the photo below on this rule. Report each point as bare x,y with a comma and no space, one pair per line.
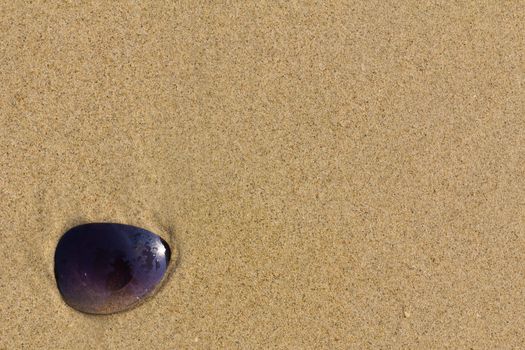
102,268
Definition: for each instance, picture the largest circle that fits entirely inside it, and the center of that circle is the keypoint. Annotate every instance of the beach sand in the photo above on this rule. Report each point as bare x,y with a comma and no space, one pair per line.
332,176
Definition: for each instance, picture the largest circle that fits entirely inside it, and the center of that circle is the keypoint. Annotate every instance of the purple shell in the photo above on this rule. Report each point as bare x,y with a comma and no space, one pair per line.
102,268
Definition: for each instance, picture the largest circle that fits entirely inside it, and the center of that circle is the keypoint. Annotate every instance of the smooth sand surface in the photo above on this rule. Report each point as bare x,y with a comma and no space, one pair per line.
334,176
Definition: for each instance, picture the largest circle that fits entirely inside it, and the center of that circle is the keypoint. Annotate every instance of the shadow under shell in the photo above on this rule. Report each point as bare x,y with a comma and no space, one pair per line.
102,268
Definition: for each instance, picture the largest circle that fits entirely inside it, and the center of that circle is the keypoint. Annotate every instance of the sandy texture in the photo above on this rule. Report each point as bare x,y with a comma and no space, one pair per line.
335,176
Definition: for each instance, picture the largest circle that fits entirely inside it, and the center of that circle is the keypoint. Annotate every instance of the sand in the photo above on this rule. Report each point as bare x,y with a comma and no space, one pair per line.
334,176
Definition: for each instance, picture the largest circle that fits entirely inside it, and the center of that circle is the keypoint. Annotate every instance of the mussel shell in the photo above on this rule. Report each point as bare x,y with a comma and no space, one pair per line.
102,268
